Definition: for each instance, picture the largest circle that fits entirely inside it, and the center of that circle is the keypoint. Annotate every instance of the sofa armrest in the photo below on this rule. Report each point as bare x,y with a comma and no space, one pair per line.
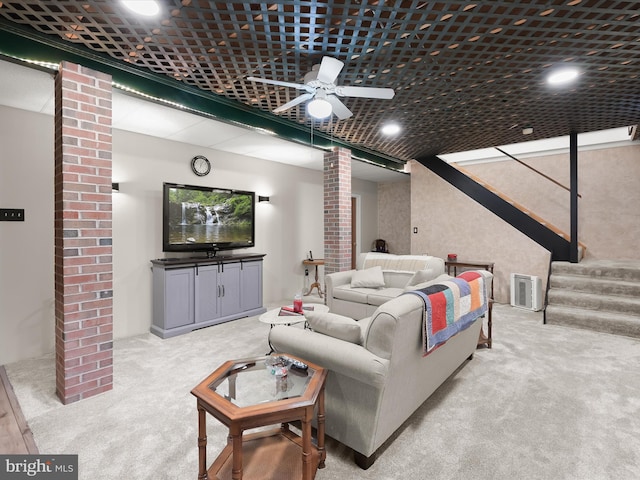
348,359
333,280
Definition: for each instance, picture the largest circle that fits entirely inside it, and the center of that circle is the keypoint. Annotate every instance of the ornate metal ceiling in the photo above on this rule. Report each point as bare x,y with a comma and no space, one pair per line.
466,74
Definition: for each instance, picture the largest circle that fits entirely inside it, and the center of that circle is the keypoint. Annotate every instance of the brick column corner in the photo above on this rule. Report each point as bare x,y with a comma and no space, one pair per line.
337,210
83,225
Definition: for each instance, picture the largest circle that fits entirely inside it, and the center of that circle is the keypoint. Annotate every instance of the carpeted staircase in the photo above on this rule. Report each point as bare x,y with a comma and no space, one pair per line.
598,295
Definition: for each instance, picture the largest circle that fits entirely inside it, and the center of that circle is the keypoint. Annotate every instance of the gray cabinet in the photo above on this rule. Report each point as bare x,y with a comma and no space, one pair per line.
230,291
217,292
207,293
251,285
196,293
172,292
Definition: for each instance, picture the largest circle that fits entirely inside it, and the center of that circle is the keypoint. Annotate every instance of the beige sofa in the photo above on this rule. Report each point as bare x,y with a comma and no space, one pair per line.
378,375
378,278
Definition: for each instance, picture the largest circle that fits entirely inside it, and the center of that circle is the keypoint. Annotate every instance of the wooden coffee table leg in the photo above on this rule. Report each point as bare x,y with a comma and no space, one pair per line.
321,449
236,442
202,443
306,445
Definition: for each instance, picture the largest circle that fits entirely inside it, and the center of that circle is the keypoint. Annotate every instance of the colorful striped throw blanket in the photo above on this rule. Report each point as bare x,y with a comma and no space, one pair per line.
450,307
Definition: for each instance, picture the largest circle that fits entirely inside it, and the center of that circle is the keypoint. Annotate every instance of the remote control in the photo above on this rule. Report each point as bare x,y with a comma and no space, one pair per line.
298,365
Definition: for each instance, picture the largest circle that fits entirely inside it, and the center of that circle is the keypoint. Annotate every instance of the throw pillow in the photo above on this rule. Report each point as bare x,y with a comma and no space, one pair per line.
334,325
369,277
421,276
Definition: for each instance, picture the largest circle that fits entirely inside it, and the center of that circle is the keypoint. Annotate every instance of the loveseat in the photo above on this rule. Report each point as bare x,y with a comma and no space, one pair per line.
378,278
378,371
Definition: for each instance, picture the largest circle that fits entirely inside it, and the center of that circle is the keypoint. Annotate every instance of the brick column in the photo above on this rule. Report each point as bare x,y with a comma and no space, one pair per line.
83,258
337,210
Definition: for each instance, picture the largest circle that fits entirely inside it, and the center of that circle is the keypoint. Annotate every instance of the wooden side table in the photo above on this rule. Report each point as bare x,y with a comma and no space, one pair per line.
243,395
467,264
316,284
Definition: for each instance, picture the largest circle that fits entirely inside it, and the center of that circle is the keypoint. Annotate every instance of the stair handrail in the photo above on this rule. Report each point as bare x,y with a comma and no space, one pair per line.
536,171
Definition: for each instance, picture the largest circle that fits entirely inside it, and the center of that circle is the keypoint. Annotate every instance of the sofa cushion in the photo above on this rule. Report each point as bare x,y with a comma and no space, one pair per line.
370,278
396,278
358,295
333,325
383,295
422,276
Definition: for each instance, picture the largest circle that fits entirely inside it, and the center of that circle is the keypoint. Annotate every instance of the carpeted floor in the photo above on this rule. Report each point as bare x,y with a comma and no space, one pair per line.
546,402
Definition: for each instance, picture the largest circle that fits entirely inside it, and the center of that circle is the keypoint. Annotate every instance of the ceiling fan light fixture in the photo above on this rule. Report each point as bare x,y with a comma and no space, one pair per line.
147,8
322,91
319,108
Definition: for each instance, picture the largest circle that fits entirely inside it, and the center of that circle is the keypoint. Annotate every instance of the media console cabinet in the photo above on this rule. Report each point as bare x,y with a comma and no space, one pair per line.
192,293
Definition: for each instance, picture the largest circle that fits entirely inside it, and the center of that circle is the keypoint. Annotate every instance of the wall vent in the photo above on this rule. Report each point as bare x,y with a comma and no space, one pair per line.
526,291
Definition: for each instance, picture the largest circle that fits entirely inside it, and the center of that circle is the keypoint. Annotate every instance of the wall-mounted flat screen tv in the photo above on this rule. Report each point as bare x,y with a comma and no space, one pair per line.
205,219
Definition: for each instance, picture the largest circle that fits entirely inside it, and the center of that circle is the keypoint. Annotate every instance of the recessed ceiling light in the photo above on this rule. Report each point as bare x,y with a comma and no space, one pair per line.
560,77
142,7
390,129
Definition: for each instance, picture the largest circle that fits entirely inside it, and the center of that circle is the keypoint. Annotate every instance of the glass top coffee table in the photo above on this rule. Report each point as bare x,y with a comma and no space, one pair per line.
255,392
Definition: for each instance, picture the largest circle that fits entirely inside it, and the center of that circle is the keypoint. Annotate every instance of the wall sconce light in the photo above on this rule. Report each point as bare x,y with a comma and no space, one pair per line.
115,187
262,199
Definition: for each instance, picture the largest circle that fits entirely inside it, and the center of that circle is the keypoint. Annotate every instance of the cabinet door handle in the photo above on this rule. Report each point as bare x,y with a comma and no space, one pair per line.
218,291
222,290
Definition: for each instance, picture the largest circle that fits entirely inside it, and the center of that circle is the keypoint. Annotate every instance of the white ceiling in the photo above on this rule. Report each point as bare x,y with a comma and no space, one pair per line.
32,89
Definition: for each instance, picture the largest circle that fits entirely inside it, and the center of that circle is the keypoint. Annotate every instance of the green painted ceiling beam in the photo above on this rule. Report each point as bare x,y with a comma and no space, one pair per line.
24,43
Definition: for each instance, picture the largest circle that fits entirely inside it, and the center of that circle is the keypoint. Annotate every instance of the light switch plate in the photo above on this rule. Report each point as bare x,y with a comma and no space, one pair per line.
12,214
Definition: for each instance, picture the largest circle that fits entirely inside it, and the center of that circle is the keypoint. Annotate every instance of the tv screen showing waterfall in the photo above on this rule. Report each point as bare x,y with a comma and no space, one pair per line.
207,219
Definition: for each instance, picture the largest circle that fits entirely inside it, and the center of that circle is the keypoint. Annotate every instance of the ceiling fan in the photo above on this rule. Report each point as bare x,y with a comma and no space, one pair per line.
319,85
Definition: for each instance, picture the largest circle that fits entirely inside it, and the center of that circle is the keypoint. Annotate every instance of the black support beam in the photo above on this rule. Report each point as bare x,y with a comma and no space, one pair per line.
547,238
573,179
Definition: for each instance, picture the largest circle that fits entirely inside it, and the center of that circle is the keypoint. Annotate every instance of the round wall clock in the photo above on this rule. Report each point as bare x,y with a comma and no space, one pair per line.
200,165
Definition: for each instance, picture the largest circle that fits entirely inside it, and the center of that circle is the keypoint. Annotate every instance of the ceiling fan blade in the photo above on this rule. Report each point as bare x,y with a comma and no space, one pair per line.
302,98
329,70
366,92
339,108
297,86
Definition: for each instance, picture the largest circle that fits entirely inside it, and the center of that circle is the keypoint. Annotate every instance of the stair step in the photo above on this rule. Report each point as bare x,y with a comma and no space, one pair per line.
601,295
598,302
610,269
594,285
614,323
